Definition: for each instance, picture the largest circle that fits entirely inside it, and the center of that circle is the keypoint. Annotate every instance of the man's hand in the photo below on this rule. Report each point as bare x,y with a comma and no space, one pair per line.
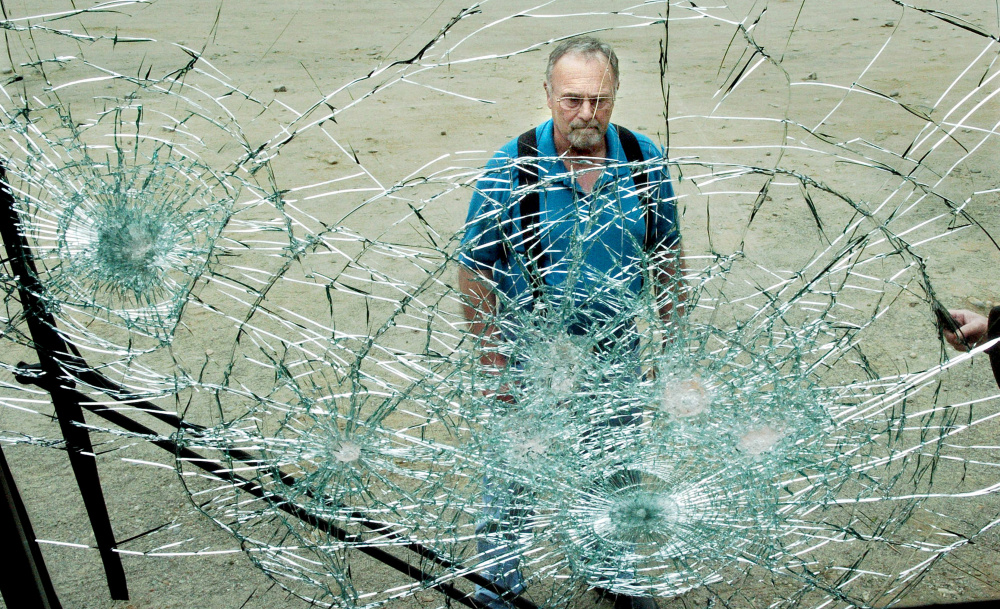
494,364
479,306
971,331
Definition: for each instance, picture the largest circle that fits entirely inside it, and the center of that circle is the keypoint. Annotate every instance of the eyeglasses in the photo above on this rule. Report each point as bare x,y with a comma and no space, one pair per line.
570,103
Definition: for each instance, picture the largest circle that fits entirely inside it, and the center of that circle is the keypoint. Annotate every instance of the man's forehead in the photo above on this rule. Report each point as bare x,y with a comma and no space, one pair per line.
579,70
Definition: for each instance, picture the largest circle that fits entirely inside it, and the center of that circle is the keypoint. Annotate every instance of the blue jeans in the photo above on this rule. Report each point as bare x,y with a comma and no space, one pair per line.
498,536
502,531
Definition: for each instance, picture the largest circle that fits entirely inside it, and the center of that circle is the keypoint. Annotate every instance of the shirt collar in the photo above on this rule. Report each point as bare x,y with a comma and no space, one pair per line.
547,150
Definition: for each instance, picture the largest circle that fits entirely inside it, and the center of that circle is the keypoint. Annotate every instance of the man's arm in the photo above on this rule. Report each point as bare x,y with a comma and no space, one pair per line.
479,305
668,271
667,254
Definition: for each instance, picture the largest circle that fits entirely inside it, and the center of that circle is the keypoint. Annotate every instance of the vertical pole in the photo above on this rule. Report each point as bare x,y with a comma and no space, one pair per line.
50,347
25,582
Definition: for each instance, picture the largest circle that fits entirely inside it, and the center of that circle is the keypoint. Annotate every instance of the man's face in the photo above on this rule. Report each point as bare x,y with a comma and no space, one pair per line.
581,96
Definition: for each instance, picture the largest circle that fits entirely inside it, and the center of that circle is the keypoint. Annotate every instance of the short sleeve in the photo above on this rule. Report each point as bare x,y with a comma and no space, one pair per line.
668,231
481,244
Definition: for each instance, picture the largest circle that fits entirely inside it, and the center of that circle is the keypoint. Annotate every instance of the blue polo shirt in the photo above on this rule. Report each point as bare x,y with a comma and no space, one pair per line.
593,242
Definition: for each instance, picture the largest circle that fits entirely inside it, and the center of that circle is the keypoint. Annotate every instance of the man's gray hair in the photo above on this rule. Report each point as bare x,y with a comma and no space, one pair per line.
582,45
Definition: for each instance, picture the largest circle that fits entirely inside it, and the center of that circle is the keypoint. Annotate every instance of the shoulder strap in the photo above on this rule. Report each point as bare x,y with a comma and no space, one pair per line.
630,144
527,147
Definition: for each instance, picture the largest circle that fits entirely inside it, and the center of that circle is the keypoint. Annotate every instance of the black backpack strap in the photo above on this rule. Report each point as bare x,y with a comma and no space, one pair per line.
630,144
527,177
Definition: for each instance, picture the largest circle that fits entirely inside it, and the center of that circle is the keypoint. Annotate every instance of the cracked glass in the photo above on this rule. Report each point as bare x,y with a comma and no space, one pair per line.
274,264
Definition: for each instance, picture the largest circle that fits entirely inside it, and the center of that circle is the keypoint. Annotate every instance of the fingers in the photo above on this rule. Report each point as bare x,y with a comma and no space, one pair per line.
494,364
956,341
961,316
971,331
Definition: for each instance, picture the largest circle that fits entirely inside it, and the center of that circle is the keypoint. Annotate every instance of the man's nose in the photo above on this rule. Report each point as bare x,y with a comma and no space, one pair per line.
588,108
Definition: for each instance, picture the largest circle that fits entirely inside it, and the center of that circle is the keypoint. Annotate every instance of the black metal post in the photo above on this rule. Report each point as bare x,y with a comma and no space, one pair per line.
25,581
50,347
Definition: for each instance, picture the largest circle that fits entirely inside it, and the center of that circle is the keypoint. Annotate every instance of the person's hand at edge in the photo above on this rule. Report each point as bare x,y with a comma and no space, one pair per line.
971,332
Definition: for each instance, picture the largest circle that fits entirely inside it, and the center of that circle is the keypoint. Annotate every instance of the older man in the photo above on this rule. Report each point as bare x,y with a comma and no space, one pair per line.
572,211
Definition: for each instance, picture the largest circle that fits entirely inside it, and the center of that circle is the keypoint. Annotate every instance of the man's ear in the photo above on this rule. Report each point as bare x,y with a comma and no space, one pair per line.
548,94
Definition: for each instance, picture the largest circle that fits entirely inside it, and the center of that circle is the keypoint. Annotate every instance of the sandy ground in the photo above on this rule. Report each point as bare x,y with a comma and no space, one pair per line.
293,52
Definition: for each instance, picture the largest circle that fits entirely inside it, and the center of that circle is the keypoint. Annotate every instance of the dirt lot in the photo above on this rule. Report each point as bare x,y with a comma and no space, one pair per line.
876,105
